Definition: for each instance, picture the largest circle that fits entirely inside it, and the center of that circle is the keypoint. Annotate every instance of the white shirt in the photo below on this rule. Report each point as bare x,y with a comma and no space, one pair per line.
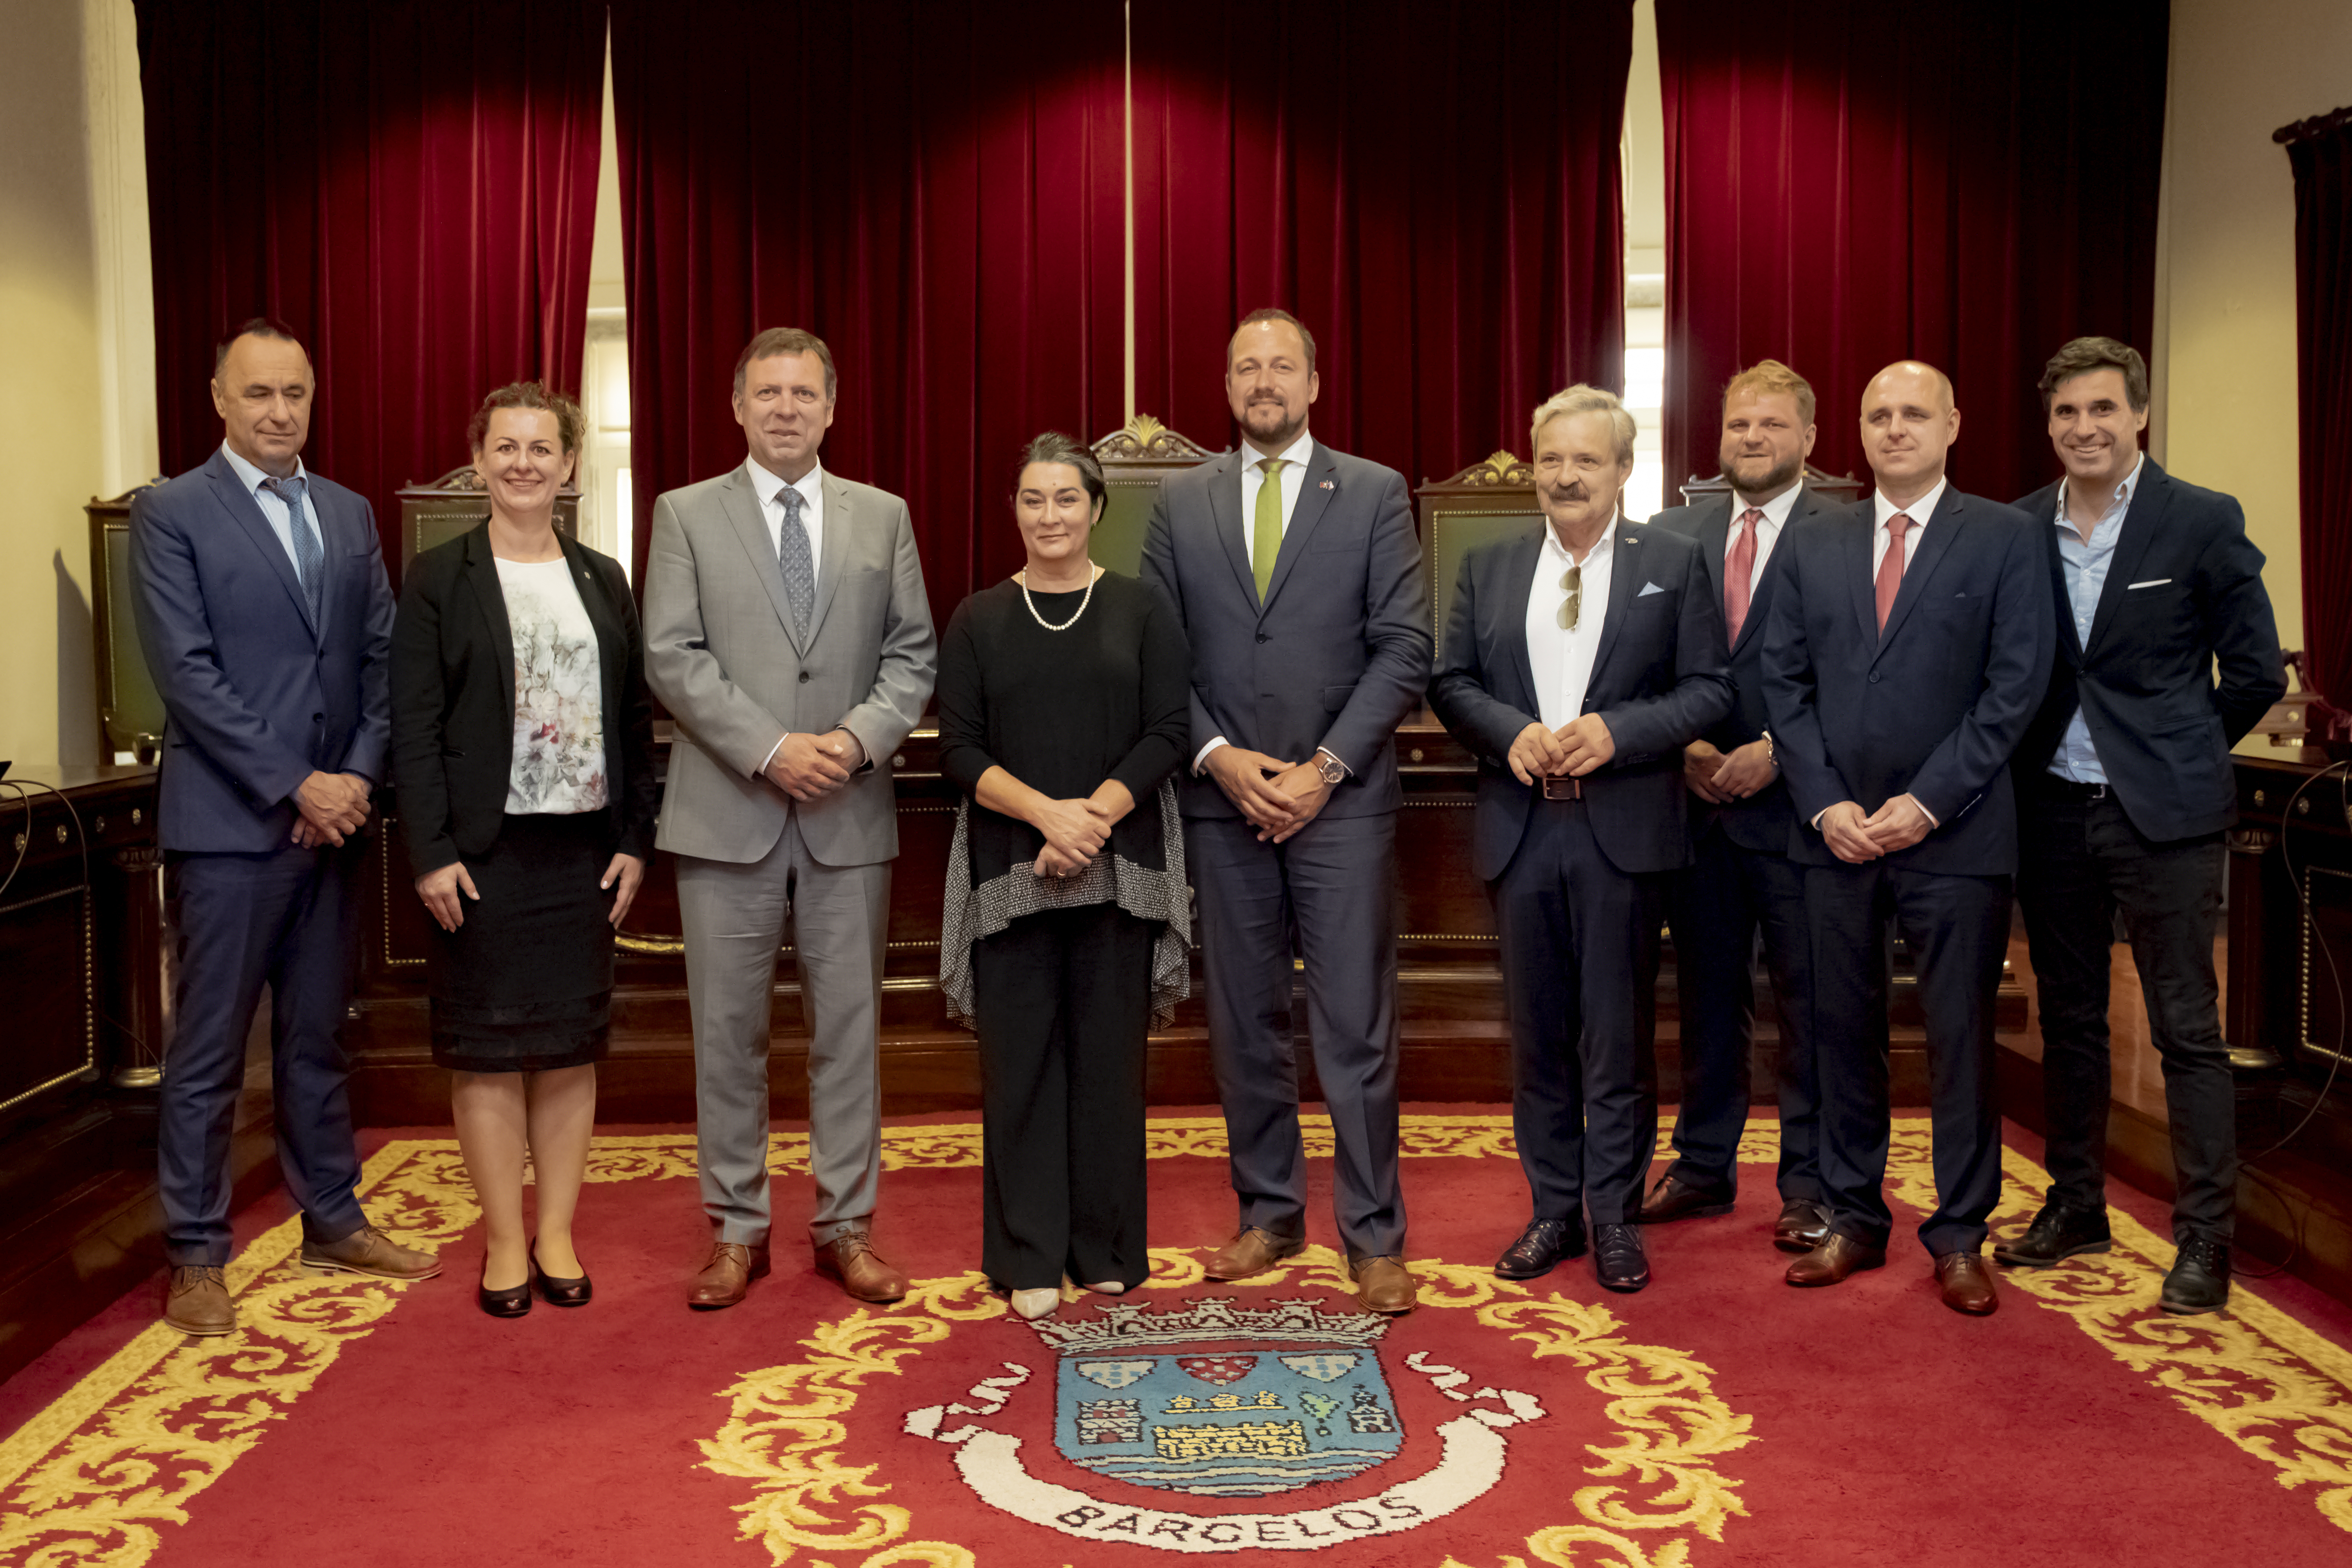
1767,529
1294,479
1562,660
1918,511
273,510
771,489
557,765
1293,475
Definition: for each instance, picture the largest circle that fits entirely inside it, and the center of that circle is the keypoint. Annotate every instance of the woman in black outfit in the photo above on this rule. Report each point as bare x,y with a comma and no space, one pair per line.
1065,705
522,745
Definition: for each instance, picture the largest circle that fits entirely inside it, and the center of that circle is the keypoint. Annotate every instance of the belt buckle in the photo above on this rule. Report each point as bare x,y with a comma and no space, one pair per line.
1557,789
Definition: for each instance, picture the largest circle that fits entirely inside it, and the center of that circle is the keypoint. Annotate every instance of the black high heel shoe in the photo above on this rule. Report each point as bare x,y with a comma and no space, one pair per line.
512,1301
574,1292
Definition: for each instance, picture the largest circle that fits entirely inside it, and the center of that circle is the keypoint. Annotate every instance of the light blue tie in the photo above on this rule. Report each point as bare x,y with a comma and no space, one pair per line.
800,567
309,558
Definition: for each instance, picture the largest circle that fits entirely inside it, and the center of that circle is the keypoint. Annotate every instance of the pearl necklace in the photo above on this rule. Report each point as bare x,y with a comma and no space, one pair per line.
1022,579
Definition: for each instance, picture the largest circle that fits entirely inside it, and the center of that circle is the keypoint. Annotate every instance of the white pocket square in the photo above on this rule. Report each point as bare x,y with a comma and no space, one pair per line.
1648,588
2151,582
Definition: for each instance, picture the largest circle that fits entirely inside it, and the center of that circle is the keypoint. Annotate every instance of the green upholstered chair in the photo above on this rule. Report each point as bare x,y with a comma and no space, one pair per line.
1134,459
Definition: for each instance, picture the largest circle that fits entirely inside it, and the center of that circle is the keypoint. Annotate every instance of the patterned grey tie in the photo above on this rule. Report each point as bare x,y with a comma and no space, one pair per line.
800,568
309,558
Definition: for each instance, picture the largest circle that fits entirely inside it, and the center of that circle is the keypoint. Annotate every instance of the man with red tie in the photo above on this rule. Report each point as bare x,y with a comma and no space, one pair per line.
1908,648
1741,878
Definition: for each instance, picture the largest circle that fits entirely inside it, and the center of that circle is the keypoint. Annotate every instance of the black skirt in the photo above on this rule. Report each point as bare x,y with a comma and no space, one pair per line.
526,984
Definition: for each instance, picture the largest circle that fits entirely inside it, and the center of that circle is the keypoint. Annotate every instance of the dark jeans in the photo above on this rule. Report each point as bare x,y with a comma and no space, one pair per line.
1063,1002
284,920
2083,863
1580,967
1958,930
1715,911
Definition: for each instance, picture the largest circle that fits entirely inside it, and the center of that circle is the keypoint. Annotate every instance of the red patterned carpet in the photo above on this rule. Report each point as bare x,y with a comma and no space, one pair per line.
1718,1418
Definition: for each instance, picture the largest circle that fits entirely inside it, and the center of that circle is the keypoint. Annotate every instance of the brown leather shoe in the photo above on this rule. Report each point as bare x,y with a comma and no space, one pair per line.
726,1278
195,1301
368,1251
1834,1259
1966,1284
1804,1225
1253,1251
850,1257
1384,1286
1673,1199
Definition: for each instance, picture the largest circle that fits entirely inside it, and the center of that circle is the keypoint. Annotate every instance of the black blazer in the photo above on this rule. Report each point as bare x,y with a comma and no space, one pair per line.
1660,677
1936,706
2184,591
453,700
1761,821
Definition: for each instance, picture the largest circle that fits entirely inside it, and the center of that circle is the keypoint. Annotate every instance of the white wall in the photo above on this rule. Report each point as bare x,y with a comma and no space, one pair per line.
2225,366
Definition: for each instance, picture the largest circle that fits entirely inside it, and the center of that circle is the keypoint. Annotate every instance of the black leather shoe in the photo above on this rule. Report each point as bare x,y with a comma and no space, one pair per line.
1540,1247
512,1301
2199,1280
1804,1225
559,1291
2055,1234
1673,1199
1618,1260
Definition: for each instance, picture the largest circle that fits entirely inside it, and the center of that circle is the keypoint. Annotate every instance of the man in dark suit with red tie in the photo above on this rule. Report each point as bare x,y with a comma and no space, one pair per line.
2124,786
1741,879
266,621
1910,647
1579,658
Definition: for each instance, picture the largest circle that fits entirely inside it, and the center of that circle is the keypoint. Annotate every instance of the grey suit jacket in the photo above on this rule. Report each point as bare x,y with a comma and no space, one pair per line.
721,656
1336,657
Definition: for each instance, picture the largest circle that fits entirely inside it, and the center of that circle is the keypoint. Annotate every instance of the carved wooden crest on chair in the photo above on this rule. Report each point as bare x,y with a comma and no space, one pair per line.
434,513
1135,458
1842,492
1495,497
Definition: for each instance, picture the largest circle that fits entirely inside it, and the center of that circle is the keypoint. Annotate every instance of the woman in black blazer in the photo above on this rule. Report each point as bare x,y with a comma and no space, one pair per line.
523,747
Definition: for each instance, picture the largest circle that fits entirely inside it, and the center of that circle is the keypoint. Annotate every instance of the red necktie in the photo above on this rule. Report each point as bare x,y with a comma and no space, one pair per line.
1890,570
1738,565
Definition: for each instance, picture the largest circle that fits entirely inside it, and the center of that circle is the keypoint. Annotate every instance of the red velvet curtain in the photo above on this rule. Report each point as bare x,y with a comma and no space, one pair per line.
933,187
411,187
1431,185
1851,182
2321,153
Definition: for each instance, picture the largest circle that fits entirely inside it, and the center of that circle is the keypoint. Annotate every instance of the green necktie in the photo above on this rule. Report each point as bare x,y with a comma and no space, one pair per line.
1266,530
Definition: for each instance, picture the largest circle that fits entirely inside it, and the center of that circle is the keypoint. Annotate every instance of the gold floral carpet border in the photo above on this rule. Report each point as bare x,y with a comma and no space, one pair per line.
96,1477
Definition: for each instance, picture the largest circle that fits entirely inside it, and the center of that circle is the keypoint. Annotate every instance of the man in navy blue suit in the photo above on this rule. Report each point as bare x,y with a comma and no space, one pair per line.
2124,786
1909,646
1580,659
1741,879
261,595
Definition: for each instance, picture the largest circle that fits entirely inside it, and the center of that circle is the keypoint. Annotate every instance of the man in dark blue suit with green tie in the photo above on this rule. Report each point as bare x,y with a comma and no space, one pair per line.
1909,646
266,621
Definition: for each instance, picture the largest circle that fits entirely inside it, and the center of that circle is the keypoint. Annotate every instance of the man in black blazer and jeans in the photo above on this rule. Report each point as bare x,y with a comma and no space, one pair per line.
2124,788
1909,650
1741,879
1579,658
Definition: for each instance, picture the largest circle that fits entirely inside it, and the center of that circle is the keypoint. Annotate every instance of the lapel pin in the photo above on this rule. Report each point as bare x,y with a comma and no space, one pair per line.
1327,485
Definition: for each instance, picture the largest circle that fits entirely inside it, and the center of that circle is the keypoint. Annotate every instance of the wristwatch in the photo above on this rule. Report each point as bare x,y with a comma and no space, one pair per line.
1329,767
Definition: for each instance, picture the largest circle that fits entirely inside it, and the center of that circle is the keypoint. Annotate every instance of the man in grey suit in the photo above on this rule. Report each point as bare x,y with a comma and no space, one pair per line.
1297,573
1741,879
787,632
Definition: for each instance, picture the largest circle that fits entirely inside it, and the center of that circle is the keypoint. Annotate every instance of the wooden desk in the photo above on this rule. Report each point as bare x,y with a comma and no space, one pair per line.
1454,1021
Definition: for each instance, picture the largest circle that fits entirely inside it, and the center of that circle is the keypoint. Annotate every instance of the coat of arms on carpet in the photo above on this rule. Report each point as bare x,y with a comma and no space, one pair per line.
1212,1400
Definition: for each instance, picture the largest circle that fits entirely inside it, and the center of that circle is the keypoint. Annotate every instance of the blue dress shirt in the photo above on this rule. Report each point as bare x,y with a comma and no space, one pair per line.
2086,566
